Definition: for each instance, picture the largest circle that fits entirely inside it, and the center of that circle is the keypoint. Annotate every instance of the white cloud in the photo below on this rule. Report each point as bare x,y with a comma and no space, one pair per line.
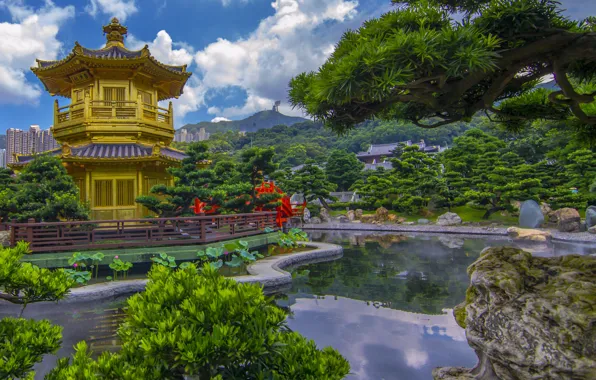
162,49
415,358
31,35
298,37
225,3
218,119
112,8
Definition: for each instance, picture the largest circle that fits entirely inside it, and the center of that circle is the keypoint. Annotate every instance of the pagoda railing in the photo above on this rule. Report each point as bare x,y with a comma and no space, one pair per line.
102,110
97,234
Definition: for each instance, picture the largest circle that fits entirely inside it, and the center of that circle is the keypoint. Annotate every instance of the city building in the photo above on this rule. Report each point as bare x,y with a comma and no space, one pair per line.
35,140
182,135
114,137
2,158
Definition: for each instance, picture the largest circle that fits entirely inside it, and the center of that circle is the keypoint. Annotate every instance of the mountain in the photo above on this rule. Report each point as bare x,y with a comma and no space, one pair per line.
260,120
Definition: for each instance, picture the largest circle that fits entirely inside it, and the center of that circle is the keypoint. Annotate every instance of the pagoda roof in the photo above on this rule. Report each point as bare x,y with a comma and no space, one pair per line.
108,152
114,53
82,63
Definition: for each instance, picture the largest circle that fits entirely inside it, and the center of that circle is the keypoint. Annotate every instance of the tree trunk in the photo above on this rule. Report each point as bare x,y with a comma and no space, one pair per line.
491,211
324,202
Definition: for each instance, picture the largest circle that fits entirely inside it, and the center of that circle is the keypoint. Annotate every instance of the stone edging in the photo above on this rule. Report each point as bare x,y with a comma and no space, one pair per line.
578,237
268,272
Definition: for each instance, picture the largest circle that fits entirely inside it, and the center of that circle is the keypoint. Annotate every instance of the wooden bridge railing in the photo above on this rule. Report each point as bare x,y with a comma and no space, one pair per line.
77,235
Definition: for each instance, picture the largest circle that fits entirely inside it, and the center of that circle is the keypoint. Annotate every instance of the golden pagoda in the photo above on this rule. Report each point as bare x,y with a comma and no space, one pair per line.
114,136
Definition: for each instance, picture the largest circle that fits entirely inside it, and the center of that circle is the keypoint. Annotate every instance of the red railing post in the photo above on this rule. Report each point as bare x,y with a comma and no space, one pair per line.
12,233
30,231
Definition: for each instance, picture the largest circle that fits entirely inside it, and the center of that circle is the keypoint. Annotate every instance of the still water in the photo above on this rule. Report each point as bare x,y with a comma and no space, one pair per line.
385,305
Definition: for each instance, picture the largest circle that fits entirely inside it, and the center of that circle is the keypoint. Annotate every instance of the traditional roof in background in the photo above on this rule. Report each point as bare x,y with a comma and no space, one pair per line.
109,152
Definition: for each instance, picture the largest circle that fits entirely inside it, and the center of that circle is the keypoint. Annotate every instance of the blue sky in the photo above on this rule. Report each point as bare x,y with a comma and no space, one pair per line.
242,52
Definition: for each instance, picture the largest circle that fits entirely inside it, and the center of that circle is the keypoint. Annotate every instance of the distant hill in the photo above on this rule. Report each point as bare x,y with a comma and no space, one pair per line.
260,120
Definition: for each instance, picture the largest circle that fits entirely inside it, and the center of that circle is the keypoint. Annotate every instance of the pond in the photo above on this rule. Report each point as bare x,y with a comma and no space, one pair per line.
384,305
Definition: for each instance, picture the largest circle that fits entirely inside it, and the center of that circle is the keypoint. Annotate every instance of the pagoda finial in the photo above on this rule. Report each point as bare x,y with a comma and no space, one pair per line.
115,33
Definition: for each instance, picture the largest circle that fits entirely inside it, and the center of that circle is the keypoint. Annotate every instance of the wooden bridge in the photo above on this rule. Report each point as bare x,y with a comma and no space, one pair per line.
99,234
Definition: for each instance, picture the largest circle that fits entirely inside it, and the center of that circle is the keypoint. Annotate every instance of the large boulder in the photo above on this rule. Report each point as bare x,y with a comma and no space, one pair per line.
324,215
449,219
525,234
306,215
351,215
368,218
568,220
529,317
592,230
4,238
423,221
530,215
315,220
590,216
358,213
545,208
381,214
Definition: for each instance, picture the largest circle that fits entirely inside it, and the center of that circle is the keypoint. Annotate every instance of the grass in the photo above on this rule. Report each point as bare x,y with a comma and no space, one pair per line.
467,214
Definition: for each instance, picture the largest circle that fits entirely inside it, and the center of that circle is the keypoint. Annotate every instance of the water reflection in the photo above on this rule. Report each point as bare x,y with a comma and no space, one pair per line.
386,304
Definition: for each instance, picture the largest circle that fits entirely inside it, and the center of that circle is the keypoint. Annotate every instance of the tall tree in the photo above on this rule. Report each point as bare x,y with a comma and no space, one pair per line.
420,64
256,164
43,191
343,169
309,181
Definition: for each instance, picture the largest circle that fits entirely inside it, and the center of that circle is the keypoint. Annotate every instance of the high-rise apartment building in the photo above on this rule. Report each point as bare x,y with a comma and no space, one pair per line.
182,135
2,158
28,142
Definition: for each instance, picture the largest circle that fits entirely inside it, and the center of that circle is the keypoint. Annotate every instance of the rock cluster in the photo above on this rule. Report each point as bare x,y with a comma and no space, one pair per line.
449,219
529,317
4,239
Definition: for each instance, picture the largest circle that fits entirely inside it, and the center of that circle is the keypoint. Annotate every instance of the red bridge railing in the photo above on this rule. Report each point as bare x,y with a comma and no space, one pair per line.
96,234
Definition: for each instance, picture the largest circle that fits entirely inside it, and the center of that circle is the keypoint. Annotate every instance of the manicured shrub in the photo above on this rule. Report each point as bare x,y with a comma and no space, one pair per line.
197,323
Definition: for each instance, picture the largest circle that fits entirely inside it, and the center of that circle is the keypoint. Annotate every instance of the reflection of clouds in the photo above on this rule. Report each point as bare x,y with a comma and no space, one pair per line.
381,342
415,358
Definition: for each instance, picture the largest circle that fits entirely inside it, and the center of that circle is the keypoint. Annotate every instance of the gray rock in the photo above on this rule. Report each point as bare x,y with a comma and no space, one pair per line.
591,216
568,220
324,215
306,215
358,213
449,219
351,215
315,220
343,219
381,214
545,208
4,238
530,215
423,221
592,230
529,317
408,223
452,242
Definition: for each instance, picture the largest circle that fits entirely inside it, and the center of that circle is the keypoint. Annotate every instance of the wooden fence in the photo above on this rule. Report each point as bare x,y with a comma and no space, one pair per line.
69,236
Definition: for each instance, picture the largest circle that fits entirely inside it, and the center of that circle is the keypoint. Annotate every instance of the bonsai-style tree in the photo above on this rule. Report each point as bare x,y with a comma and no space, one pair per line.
190,182
256,164
23,342
199,324
421,64
343,169
310,181
43,191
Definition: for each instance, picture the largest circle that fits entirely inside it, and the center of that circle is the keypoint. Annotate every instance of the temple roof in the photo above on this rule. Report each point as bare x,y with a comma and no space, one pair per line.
81,64
100,152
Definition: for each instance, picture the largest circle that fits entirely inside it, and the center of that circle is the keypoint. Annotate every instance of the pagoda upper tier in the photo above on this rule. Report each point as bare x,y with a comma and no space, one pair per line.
114,93
114,61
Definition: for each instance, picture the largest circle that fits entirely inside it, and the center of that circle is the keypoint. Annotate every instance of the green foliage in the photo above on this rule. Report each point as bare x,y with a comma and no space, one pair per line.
82,261
119,266
292,239
239,253
310,181
81,277
23,343
419,63
165,260
343,169
42,191
198,323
